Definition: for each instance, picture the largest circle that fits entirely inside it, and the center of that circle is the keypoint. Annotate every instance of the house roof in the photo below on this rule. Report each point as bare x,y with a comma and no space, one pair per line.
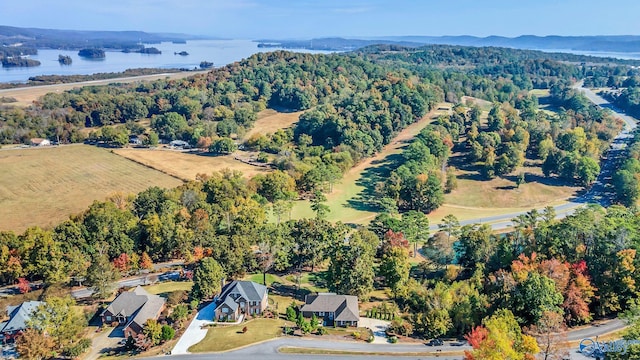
138,305
38,140
249,290
20,315
345,307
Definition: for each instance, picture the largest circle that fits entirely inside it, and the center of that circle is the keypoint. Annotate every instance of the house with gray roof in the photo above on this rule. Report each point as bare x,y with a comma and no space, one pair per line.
341,310
240,297
19,316
133,309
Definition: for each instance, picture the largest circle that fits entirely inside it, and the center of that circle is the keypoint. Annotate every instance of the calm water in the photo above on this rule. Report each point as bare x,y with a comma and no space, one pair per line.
220,52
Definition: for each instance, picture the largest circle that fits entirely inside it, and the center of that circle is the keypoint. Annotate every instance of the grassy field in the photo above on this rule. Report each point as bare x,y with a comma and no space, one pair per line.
27,95
169,286
269,121
186,165
537,191
44,186
223,338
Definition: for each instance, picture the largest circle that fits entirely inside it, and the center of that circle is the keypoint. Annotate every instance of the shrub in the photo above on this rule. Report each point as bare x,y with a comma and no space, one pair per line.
393,339
194,304
322,331
356,334
77,349
167,333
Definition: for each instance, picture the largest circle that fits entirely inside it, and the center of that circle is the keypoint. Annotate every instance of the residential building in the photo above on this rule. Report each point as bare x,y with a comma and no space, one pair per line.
19,316
333,309
133,309
40,142
238,298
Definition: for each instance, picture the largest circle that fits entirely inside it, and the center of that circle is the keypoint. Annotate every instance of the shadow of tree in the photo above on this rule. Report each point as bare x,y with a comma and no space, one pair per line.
366,200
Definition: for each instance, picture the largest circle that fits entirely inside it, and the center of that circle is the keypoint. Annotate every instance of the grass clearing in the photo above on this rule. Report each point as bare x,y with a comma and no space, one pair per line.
43,186
269,121
258,278
223,338
186,165
537,191
168,287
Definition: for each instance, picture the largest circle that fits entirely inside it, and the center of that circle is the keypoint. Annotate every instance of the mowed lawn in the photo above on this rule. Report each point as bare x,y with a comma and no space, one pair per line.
223,338
186,165
44,186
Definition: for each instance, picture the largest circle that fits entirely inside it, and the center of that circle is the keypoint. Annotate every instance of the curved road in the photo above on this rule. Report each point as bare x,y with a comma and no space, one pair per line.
599,193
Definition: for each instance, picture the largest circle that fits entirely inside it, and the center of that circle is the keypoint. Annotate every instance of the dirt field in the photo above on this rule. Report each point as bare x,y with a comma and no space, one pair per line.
186,165
26,95
269,121
44,186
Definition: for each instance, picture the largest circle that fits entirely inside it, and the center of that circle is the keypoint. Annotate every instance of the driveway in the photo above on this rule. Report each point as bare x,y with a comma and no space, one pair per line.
377,326
195,333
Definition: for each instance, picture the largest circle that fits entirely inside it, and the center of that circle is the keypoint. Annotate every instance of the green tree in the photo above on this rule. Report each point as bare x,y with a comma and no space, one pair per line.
170,126
588,170
101,276
350,271
223,145
59,319
318,206
207,278
167,333
415,227
153,331
395,268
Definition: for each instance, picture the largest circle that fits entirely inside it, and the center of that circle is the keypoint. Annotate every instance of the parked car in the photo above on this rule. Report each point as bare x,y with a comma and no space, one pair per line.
435,342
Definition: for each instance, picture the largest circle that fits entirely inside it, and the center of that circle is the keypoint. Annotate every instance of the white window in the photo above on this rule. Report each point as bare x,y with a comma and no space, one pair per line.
321,313
108,318
225,310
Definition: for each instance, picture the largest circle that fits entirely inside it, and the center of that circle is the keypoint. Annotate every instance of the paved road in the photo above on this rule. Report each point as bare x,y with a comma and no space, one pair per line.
599,193
145,279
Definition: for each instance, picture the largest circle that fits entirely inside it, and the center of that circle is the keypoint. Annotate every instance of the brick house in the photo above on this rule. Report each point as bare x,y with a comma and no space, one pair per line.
340,310
133,309
240,297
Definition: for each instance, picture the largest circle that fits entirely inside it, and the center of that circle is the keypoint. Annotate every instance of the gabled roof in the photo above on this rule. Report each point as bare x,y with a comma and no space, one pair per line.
138,305
249,290
345,307
20,315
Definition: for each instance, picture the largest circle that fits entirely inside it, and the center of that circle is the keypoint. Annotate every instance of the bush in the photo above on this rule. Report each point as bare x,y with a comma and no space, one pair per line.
393,339
322,331
167,333
356,334
194,304
77,349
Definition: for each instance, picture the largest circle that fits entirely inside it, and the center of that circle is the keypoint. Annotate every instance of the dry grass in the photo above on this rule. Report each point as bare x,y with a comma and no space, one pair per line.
187,165
27,95
538,191
224,338
269,121
44,186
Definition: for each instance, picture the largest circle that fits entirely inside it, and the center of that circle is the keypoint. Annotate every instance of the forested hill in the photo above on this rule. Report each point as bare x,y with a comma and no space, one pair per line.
448,55
75,39
624,43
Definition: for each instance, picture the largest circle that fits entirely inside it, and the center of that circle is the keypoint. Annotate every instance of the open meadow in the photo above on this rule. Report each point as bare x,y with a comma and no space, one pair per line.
43,186
269,121
186,165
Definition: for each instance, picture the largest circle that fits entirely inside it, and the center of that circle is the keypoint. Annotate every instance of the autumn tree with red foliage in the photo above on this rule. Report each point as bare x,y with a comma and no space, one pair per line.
122,263
23,286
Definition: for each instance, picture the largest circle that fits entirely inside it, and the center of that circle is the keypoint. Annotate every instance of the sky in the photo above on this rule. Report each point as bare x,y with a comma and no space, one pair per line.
303,19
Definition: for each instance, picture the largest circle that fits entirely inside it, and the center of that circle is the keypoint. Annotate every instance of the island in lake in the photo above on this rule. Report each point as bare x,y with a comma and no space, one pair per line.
143,50
64,59
92,53
19,62
181,53
206,65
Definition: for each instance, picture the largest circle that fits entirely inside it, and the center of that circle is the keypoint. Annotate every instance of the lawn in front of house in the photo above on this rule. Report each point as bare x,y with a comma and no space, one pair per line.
223,338
168,287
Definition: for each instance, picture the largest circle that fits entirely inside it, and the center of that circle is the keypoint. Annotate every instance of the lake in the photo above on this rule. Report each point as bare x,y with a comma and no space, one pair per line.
220,52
